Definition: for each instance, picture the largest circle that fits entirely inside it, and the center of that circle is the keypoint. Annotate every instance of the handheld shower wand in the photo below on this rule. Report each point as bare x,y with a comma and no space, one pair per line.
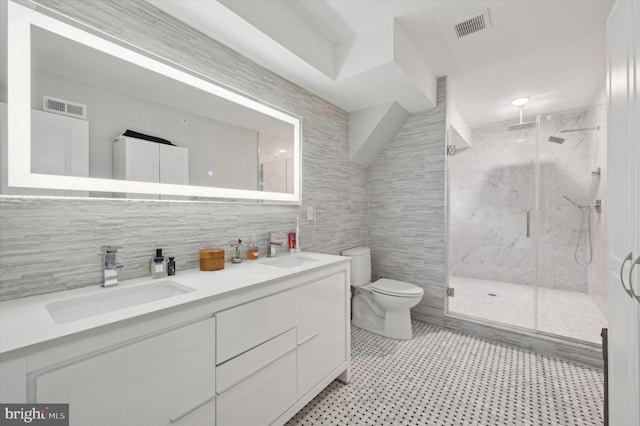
582,209
571,201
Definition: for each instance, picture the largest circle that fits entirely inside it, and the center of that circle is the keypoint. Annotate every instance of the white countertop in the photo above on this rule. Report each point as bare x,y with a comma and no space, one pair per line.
26,322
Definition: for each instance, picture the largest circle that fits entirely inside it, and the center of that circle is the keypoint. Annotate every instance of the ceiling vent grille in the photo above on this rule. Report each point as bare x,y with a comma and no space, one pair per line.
60,106
479,21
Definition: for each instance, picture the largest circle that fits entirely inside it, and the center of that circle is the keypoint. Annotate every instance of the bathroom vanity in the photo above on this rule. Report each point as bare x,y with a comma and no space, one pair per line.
247,345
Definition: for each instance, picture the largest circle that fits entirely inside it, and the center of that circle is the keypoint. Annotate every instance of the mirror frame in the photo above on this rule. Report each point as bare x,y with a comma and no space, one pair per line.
21,18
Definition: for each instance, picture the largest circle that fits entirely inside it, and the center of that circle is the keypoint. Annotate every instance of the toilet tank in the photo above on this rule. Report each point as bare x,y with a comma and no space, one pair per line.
360,265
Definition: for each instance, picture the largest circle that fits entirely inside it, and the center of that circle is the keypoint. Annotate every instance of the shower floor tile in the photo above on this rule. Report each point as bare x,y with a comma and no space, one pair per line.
565,313
443,378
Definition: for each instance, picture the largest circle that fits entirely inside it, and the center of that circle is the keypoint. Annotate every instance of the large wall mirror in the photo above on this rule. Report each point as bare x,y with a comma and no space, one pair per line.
86,115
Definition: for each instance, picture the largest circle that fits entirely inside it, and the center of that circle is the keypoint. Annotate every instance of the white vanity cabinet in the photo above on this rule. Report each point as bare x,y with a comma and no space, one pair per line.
277,353
321,316
251,357
159,378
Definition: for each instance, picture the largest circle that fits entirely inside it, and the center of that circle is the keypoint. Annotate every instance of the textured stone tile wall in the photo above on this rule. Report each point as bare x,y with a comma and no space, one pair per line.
407,207
53,244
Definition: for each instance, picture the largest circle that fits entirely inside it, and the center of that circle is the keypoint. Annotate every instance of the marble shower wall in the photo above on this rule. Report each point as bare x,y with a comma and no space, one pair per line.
52,244
493,187
491,190
565,169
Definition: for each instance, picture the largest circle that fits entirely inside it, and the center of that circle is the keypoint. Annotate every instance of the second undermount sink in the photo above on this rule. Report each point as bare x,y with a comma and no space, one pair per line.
113,299
289,261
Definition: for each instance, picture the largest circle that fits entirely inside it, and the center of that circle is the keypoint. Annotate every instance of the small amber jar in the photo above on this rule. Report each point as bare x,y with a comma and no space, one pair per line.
211,259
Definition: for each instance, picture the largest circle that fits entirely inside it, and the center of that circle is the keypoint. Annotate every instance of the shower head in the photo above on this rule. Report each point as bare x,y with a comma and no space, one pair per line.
557,139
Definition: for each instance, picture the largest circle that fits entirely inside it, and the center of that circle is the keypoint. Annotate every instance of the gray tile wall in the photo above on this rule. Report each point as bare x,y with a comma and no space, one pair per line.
52,244
407,207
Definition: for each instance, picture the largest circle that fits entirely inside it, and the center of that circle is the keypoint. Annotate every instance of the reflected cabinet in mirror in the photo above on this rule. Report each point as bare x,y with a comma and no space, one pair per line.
86,115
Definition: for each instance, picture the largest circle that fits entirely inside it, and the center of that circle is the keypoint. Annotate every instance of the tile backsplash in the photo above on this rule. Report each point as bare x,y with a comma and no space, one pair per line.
53,244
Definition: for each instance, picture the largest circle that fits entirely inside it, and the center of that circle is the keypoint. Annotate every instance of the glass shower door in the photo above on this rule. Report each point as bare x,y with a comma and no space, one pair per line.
492,199
572,293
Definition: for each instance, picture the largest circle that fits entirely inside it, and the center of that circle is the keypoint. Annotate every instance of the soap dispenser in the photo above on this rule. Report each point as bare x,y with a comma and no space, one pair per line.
254,250
171,266
158,265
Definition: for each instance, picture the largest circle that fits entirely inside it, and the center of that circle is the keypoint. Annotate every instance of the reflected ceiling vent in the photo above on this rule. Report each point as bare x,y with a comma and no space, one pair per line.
479,21
60,106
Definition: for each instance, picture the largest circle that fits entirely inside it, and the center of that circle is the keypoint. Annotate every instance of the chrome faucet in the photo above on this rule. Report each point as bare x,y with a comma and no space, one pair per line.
272,244
110,266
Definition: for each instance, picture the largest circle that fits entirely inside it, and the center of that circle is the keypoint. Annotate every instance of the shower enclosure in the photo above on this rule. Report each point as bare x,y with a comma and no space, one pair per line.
526,240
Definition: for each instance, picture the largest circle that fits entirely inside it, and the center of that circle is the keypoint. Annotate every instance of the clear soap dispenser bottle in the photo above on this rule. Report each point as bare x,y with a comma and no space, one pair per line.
158,265
254,250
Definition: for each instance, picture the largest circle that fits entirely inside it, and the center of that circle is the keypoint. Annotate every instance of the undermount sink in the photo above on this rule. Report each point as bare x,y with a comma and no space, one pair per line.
289,261
113,299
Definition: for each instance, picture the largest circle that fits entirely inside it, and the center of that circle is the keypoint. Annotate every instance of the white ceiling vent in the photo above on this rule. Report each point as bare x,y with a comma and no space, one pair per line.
60,106
479,21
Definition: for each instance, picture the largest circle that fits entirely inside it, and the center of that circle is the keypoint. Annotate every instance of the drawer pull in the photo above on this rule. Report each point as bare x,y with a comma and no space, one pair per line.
237,369
306,339
255,371
189,410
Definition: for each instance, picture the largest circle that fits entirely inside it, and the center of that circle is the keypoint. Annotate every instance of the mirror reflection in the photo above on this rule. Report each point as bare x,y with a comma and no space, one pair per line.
95,115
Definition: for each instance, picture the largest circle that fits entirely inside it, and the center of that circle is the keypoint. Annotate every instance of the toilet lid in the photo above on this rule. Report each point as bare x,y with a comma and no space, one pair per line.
396,288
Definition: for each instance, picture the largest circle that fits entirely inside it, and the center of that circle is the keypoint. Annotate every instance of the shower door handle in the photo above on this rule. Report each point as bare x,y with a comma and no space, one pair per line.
528,223
624,262
633,265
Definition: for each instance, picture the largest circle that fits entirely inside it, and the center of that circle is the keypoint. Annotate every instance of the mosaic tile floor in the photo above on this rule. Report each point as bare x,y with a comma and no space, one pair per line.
443,378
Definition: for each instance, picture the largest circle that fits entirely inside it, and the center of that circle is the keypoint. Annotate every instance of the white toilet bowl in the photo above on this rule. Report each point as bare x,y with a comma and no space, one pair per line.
382,307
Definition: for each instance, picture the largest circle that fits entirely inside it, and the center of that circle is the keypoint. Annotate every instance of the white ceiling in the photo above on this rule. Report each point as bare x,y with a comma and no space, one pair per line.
347,51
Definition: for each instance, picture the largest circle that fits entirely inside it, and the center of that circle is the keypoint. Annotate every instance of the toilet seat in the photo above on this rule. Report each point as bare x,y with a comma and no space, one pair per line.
396,288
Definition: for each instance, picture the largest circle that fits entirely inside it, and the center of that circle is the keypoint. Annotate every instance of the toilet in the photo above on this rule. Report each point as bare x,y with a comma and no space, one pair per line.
382,307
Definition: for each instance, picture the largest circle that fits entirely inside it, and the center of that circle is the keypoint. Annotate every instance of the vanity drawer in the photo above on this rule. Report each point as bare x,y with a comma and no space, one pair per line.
262,398
243,366
247,326
163,379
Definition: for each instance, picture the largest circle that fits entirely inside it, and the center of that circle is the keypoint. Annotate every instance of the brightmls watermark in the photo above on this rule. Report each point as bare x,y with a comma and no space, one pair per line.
34,414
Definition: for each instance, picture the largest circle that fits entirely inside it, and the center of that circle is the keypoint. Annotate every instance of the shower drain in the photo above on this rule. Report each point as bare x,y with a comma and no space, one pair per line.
492,294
